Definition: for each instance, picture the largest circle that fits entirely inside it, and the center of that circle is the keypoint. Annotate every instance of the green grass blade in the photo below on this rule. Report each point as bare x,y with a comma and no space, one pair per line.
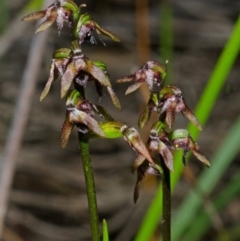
229,192
105,231
207,181
151,218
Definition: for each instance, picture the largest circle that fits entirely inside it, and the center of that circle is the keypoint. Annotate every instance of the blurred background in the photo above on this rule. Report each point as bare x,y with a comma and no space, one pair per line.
46,199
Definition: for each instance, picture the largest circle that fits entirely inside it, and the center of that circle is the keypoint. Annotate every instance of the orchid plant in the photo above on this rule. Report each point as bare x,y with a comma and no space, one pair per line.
75,70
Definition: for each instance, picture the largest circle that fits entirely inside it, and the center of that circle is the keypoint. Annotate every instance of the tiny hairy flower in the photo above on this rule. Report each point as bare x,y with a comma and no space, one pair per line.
152,73
158,141
70,65
168,100
133,138
79,62
182,140
61,58
98,85
61,11
80,113
86,27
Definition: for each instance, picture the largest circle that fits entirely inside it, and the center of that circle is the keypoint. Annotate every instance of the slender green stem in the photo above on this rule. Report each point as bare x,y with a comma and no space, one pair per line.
90,186
166,202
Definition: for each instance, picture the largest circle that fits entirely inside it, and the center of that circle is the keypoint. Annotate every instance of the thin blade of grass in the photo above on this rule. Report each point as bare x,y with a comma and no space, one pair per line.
105,231
207,181
228,194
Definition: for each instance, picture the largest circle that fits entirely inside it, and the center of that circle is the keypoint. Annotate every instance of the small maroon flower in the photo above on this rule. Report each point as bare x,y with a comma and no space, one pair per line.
158,141
80,113
152,73
182,140
86,27
61,11
168,100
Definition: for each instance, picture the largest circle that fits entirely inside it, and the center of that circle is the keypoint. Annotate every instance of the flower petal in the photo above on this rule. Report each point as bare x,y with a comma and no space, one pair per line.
97,73
48,22
104,113
133,87
170,117
166,155
114,98
105,32
126,79
191,117
66,131
49,82
201,157
138,162
34,16
134,140
67,78
145,116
